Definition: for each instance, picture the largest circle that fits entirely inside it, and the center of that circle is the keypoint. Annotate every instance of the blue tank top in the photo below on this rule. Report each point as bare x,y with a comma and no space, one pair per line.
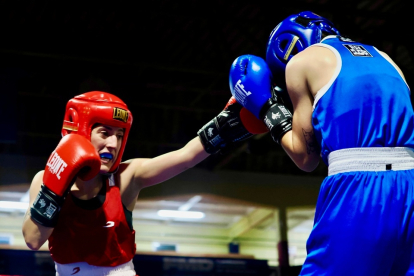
366,103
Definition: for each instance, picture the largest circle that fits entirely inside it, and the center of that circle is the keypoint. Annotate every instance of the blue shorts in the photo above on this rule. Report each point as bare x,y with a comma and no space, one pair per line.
364,225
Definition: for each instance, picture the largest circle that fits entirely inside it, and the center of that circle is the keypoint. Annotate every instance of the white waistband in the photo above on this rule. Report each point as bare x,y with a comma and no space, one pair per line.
370,159
82,268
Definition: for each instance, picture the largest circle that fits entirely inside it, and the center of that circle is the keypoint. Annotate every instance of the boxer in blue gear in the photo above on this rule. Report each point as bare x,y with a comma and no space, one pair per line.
352,108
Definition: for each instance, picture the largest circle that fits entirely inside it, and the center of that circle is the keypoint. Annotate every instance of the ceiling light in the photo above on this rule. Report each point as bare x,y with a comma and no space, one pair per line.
180,214
190,203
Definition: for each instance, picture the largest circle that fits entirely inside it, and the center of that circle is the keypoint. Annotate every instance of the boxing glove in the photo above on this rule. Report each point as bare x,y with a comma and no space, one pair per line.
232,125
74,157
250,83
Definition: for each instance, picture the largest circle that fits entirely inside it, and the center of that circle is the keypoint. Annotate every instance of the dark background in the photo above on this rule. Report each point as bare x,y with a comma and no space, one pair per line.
168,60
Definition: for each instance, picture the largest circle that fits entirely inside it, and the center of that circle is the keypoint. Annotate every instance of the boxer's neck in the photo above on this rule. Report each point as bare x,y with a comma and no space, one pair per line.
87,189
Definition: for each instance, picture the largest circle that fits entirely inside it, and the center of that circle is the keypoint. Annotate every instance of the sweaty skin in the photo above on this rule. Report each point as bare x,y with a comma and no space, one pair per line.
306,73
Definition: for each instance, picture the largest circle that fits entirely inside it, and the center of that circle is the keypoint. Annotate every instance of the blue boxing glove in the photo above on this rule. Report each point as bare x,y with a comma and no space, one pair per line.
251,84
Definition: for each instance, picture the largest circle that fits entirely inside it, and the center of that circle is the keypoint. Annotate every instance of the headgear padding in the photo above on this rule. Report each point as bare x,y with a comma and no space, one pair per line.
291,36
96,107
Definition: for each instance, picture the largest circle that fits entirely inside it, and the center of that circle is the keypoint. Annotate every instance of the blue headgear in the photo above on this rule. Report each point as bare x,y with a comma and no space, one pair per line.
291,36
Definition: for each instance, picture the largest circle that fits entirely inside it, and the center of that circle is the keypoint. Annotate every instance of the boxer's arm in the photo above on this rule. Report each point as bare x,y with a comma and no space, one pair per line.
35,234
233,125
73,157
136,174
306,73
161,168
144,172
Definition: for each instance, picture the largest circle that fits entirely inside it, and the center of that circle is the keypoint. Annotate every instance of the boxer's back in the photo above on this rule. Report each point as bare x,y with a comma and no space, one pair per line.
367,103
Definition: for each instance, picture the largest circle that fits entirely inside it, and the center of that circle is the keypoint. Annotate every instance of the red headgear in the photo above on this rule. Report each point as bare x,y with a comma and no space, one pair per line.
96,107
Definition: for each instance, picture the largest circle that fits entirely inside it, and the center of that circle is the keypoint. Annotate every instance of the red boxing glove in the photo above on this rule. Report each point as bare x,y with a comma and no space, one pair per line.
233,125
249,121
74,156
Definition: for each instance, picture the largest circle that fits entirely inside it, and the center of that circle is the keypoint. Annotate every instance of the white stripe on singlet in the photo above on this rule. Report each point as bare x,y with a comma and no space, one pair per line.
82,268
370,159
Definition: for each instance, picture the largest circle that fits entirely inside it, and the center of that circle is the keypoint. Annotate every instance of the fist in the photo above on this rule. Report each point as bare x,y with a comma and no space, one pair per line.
250,83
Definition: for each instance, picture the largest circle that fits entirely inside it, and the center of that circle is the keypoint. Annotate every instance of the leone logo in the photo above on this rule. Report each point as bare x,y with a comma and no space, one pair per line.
120,114
56,164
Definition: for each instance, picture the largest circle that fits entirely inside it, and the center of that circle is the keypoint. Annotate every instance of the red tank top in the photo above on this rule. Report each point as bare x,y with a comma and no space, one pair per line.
100,237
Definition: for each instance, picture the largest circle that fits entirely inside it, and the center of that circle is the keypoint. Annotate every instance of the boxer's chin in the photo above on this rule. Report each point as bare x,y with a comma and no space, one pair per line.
105,168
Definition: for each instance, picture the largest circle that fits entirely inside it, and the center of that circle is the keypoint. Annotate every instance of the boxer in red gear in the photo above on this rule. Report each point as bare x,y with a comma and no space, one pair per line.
82,202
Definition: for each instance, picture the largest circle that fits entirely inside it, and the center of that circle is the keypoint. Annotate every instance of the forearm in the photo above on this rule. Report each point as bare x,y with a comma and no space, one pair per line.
193,152
186,157
35,235
303,150
166,166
